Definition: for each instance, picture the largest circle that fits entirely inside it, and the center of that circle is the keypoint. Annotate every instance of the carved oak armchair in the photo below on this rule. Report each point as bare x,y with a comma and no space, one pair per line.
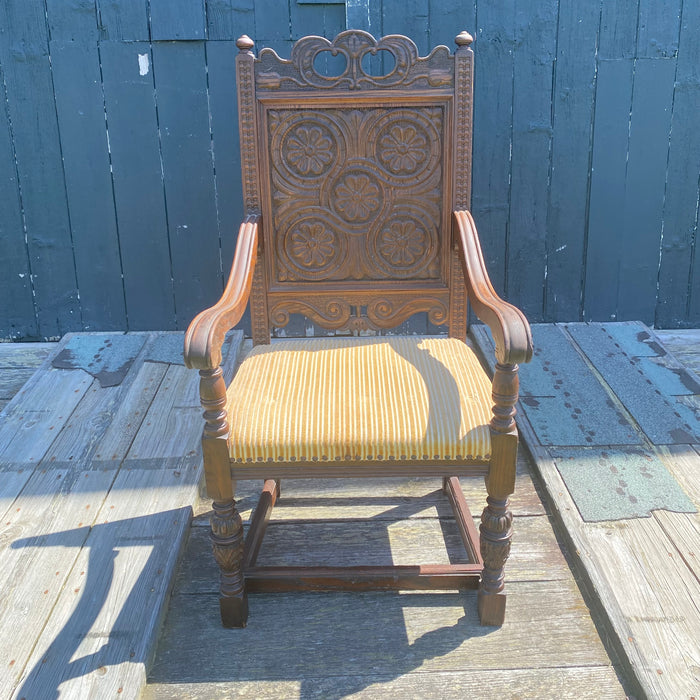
357,189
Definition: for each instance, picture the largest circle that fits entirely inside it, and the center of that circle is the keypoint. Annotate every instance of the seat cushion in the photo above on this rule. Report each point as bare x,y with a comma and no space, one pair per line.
360,399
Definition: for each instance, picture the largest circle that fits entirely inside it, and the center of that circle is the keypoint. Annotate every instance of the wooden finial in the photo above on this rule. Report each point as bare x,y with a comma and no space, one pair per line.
245,43
464,39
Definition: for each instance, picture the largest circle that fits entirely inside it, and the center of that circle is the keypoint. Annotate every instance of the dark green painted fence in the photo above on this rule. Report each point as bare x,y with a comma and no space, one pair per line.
120,181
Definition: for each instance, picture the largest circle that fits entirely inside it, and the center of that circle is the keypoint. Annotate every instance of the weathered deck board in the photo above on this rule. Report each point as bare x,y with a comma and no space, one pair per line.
289,637
595,683
97,639
685,345
90,538
643,570
34,574
655,598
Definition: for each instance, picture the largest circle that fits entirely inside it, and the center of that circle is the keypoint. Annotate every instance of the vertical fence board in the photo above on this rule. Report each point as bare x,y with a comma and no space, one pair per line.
180,79
571,148
17,308
618,29
322,20
657,33
364,14
272,21
493,121
227,161
678,291
81,119
32,111
177,19
532,137
607,190
138,184
447,18
72,21
410,18
223,104
650,123
228,19
125,20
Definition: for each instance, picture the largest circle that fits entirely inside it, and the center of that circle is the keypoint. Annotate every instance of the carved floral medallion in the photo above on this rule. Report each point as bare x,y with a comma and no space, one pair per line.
402,148
312,245
309,150
402,243
357,196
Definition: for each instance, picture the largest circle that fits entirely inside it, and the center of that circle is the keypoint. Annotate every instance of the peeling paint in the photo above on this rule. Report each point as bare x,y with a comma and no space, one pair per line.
143,64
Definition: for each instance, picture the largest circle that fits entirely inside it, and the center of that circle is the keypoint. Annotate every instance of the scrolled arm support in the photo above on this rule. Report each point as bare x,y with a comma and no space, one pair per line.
509,327
205,335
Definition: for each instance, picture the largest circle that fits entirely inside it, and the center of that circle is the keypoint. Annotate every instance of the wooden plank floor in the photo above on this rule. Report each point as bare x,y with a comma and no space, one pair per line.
382,645
643,568
96,493
96,506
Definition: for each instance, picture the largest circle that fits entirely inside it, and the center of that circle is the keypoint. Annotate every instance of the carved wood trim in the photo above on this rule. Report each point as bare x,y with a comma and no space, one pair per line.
299,72
360,312
260,328
458,298
464,60
247,120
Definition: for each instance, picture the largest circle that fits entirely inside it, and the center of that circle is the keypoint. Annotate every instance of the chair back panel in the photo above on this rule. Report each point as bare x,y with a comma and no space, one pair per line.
354,176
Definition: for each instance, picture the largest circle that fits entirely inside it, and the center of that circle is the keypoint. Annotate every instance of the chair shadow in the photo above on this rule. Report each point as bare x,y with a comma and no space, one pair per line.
326,645
128,638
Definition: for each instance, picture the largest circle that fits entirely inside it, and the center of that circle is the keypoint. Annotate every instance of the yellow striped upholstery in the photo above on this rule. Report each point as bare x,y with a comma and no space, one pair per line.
355,399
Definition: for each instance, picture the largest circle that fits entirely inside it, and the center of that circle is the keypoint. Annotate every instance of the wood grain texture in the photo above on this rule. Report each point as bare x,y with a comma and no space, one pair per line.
34,572
127,71
642,570
594,683
227,19
17,313
172,20
180,74
125,20
677,274
645,178
493,135
98,637
607,189
573,100
32,111
531,159
89,542
84,147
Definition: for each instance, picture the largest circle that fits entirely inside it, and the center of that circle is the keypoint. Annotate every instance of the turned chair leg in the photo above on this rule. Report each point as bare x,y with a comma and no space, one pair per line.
496,527
227,543
496,532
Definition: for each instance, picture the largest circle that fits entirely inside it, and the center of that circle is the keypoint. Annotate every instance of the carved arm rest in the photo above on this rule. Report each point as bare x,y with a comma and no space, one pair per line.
509,327
205,334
